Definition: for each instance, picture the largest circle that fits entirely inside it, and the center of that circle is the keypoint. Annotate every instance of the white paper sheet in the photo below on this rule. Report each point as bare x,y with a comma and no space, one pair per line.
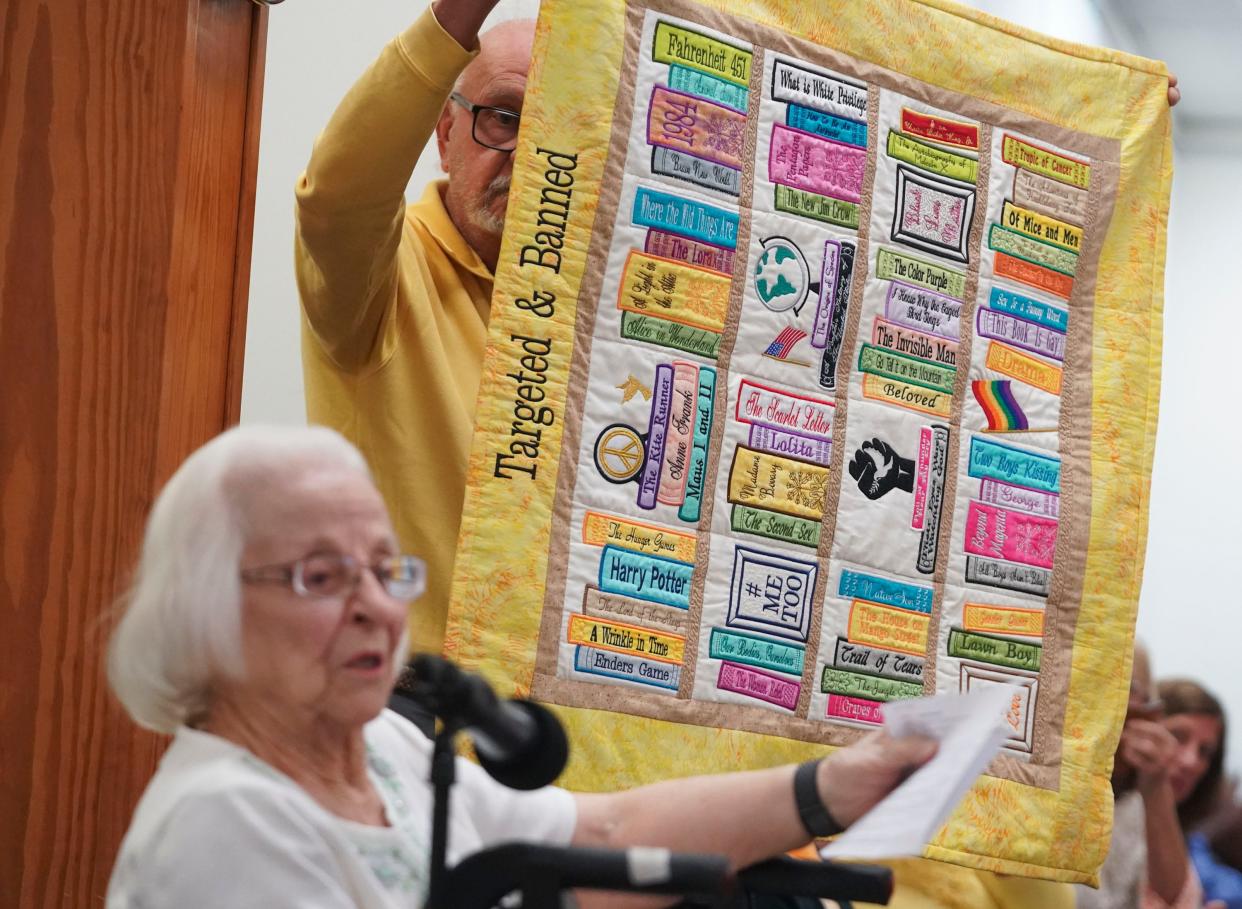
970,729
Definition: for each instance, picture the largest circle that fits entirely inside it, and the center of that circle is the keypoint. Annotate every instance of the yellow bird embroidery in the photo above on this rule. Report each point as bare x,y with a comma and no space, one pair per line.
631,387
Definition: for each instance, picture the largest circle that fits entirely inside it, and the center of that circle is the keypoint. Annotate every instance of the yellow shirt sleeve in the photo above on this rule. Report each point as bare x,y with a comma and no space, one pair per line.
350,200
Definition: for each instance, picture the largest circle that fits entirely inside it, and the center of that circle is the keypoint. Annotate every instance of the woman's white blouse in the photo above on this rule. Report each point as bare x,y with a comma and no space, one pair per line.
217,827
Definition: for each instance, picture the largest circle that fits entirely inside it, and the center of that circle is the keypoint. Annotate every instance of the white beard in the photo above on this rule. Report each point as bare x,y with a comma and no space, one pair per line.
481,213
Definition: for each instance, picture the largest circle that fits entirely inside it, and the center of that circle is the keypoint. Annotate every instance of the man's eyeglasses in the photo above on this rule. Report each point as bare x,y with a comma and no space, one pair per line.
329,575
494,127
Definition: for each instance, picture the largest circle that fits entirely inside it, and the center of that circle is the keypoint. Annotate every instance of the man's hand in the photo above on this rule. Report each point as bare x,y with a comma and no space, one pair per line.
1147,747
462,19
1175,94
852,780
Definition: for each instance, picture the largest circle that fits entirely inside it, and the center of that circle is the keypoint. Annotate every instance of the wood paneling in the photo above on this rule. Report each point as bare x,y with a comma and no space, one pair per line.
128,138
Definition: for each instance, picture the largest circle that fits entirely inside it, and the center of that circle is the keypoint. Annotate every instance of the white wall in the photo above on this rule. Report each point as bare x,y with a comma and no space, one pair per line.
1190,613
1191,607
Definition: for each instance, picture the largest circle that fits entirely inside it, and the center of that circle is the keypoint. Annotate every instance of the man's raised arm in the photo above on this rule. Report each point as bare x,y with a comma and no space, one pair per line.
351,199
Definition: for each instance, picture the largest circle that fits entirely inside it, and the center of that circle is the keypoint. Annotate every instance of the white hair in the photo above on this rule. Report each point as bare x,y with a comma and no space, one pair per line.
181,626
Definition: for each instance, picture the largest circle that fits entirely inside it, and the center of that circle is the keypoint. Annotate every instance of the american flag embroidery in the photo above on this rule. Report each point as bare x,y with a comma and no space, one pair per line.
784,343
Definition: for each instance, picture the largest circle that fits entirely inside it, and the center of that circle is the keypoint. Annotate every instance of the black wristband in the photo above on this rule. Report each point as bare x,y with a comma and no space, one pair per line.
811,808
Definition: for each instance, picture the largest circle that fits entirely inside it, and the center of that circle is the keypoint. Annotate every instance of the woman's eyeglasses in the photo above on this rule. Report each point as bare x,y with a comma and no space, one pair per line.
330,575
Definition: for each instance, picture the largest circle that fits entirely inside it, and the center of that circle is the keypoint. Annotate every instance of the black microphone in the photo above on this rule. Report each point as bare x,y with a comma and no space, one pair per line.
519,743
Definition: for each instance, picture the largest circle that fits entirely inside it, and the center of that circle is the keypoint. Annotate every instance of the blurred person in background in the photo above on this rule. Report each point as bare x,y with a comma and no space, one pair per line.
1148,864
1197,721
1212,820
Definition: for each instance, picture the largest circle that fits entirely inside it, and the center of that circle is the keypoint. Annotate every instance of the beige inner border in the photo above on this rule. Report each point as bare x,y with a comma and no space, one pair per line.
1043,767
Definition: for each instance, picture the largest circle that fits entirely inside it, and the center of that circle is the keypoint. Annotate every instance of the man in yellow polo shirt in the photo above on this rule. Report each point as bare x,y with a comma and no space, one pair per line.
396,298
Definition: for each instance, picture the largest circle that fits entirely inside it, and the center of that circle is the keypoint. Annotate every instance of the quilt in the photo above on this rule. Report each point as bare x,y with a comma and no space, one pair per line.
823,371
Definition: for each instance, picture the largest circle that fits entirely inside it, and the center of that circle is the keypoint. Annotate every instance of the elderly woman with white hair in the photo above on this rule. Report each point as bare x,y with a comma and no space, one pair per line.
264,629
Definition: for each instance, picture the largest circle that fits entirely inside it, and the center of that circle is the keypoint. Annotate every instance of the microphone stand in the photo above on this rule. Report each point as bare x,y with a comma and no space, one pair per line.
540,873
443,776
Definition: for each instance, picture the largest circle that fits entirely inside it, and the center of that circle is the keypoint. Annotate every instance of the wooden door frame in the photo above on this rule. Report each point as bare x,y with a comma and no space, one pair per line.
128,158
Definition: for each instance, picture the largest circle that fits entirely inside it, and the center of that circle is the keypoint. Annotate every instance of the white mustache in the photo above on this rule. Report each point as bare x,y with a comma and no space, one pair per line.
498,187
